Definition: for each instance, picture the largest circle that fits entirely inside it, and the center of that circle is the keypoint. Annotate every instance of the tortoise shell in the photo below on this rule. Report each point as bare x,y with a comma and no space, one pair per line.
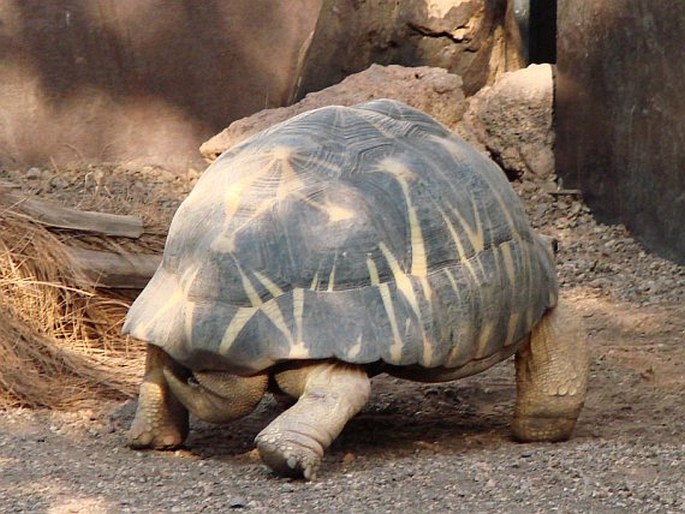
366,234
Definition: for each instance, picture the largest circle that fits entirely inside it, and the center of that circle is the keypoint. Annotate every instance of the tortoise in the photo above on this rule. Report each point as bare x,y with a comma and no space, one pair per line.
339,244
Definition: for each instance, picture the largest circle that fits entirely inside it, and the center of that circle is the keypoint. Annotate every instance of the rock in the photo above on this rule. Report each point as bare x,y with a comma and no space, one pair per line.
58,183
432,90
33,174
512,120
237,502
475,39
348,458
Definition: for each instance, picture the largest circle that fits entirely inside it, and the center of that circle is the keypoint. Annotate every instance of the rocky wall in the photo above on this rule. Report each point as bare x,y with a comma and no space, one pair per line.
146,81
619,114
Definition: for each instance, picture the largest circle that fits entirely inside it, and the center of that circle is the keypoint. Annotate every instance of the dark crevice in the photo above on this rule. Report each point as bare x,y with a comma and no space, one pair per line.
427,32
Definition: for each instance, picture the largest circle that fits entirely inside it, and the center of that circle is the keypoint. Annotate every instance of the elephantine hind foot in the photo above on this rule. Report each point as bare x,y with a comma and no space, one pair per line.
551,377
161,421
330,394
289,456
538,429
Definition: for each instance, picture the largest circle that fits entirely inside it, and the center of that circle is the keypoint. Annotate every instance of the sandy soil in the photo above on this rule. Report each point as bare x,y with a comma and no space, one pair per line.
414,448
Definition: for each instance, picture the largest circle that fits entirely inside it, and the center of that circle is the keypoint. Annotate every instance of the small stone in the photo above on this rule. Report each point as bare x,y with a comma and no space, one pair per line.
237,502
58,183
33,174
288,488
348,458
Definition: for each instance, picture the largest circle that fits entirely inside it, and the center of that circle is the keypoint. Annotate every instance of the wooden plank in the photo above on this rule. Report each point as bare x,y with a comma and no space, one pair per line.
53,215
115,270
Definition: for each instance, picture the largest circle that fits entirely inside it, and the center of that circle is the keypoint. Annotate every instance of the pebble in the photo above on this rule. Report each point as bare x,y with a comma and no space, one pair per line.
33,174
237,502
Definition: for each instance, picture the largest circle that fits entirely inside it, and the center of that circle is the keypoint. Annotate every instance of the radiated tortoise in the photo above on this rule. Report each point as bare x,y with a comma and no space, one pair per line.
339,244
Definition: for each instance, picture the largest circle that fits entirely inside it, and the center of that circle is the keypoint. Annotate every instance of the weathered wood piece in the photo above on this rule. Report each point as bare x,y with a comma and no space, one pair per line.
115,270
53,215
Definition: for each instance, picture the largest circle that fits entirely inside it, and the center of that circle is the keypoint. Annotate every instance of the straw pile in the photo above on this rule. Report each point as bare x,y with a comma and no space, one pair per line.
59,336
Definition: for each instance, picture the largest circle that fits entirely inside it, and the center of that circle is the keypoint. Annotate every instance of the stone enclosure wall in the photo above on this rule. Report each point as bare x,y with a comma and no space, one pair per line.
146,81
619,114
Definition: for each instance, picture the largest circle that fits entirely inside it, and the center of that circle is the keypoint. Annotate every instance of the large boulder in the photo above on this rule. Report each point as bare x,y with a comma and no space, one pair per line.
475,39
513,121
432,90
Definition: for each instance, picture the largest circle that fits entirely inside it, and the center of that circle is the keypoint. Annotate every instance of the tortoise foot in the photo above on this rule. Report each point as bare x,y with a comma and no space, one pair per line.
538,429
145,435
161,422
296,456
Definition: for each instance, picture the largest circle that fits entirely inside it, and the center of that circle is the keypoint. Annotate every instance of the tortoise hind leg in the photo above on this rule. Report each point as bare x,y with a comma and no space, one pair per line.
330,394
551,377
161,421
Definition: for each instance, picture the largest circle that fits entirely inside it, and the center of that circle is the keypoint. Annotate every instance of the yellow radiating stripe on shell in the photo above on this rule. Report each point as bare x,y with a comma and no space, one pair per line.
171,302
402,174
373,271
401,279
354,350
299,351
458,244
497,275
331,276
235,191
484,338
180,295
428,351
456,151
337,213
452,281
298,313
273,312
511,328
315,281
189,315
241,317
527,273
396,348
224,242
249,289
476,237
419,264
334,212
265,205
290,182
459,342
268,284
509,263
405,287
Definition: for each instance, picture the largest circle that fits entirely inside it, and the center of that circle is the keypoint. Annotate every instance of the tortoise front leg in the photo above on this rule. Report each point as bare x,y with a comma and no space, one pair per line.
330,394
161,421
551,377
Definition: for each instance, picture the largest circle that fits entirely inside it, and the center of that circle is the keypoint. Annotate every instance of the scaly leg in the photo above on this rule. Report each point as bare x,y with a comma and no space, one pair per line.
217,396
330,394
551,377
161,421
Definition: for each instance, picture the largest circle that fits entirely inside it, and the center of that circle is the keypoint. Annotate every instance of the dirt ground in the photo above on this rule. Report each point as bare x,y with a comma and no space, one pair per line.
414,448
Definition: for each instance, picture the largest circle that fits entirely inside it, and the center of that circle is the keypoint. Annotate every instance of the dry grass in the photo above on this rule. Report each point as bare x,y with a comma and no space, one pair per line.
59,337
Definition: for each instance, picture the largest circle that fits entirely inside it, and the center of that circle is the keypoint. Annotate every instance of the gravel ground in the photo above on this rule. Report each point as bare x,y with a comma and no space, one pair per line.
414,448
